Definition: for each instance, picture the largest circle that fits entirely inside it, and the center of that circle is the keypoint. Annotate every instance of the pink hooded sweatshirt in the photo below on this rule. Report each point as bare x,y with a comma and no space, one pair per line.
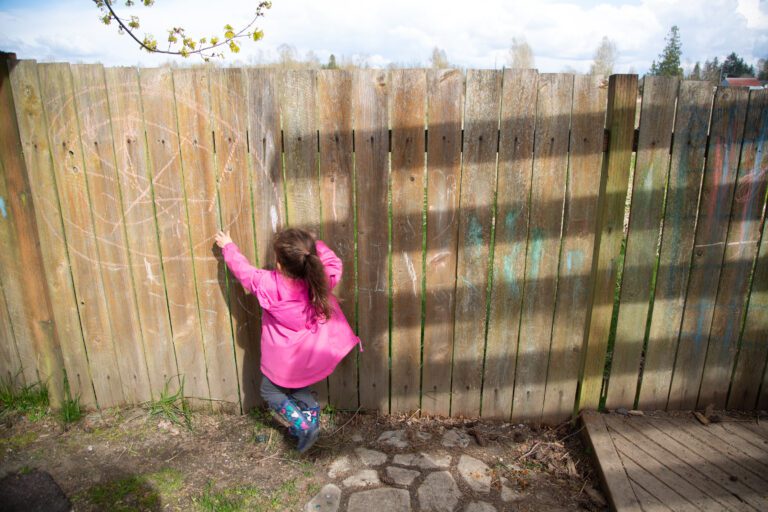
297,347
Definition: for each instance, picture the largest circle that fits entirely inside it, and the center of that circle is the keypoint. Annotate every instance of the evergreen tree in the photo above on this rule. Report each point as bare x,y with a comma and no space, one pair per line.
331,63
669,59
695,73
734,66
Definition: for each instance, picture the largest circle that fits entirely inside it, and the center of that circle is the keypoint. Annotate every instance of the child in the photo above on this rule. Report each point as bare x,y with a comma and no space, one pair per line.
304,334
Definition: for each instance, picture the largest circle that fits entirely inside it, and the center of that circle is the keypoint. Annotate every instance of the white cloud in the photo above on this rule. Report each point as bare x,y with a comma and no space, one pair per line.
475,34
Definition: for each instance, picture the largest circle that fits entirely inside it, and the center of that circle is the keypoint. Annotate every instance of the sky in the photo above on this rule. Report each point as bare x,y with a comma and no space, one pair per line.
474,34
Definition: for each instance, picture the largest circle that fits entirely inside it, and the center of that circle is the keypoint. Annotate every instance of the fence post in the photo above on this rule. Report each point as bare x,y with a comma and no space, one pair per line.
614,178
23,275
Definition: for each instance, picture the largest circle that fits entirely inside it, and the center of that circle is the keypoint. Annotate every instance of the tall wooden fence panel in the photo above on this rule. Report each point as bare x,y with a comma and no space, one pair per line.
497,260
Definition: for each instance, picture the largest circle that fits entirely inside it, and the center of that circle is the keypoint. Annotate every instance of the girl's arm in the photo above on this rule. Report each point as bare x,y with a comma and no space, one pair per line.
248,275
331,262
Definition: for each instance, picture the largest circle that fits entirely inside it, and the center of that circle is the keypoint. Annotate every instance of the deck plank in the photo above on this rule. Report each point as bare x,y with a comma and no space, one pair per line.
743,440
727,444
660,481
611,471
648,501
748,433
699,455
672,470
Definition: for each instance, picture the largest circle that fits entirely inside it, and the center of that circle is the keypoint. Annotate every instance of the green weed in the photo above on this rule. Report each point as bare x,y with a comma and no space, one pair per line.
71,411
172,406
30,400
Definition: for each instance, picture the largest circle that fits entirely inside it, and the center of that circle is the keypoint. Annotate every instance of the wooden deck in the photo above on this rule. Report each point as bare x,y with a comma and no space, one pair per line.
672,462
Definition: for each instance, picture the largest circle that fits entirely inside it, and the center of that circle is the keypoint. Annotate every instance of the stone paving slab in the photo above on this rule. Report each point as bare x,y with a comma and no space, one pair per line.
391,500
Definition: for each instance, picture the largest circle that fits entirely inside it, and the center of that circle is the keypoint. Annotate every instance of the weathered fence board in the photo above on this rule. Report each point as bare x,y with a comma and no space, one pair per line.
620,118
164,157
28,303
103,191
518,116
478,184
550,164
651,168
445,98
726,129
740,251
587,125
686,169
9,355
200,199
370,99
298,109
753,352
138,216
50,230
408,119
69,169
334,91
114,182
229,112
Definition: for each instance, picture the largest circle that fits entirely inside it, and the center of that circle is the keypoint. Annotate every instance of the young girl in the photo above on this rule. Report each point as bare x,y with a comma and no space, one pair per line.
304,334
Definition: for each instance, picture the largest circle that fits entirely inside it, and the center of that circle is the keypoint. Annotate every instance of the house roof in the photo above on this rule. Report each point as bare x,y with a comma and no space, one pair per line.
742,82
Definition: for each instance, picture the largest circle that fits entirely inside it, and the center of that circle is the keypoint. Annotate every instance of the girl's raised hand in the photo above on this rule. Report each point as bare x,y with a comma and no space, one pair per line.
222,238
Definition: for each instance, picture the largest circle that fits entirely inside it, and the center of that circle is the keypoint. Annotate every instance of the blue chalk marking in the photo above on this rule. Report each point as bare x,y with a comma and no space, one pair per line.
2,208
538,241
574,258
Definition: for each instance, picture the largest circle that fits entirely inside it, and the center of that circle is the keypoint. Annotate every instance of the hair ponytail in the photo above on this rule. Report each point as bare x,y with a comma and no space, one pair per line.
318,284
296,252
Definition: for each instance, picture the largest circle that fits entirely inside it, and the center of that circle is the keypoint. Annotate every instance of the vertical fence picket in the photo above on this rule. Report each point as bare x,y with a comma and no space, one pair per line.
740,251
518,117
726,130
298,111
164,157
102,181
50,230
334,91
266,147
651,166
10,364
614,178
141,229
201,180
585,158
230,117
683,186
370,97
478,186
550,165
445,98
66,152
27,299
748,207
407,119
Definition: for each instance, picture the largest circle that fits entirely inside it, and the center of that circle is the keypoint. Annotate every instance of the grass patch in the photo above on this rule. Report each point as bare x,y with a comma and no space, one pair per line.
251,498
172,406
17,442
137,492
30,400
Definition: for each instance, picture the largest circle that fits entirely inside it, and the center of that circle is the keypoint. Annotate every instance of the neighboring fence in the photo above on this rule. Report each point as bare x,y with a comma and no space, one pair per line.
480,219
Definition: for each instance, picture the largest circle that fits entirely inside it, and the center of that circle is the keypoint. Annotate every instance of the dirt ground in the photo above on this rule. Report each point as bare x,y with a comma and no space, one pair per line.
126,460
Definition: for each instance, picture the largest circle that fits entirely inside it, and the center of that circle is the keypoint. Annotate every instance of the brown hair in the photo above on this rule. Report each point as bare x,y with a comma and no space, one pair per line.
297,254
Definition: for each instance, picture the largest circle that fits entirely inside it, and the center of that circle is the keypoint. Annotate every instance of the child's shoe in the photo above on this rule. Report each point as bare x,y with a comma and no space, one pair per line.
290,415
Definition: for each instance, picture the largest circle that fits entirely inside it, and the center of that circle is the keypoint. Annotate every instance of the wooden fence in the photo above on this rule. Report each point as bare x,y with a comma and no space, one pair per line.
480,218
